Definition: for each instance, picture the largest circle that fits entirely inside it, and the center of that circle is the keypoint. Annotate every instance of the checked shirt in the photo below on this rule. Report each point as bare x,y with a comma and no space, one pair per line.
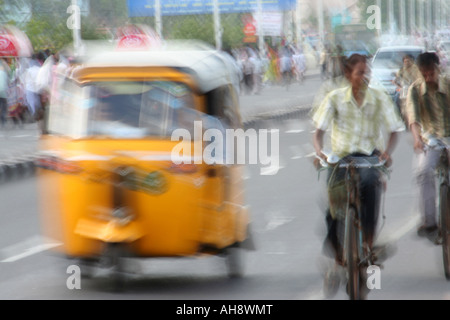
357,128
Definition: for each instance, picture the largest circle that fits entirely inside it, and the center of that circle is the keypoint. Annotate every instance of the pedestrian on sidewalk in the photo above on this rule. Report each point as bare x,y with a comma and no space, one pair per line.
31,86
286,66
324,64
271,75
247,69
4,82
257,72
299,61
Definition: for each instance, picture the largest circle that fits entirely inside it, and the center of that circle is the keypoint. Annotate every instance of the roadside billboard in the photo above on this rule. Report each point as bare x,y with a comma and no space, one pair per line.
146,8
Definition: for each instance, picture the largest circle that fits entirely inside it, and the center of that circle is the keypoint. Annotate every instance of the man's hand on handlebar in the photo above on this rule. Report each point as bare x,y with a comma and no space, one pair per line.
419,145
320,157
386,157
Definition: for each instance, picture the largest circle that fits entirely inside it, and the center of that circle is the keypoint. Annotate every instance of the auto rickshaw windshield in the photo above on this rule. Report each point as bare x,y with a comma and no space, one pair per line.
123,109
133,109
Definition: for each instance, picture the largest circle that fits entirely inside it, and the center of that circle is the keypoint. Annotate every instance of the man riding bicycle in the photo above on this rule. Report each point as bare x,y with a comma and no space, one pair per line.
428,110
358,116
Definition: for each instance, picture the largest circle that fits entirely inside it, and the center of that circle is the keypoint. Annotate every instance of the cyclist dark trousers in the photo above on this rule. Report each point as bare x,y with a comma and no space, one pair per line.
370,195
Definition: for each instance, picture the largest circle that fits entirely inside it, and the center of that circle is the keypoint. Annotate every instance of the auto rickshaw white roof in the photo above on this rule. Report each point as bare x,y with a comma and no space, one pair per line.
210,68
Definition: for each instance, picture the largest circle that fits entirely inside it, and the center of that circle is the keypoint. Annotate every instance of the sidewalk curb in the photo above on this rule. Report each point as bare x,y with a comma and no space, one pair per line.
18,168
296,112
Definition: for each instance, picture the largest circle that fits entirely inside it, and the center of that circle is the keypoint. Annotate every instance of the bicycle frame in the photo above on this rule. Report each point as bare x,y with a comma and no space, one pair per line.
353,218
443,167
353,201
442,171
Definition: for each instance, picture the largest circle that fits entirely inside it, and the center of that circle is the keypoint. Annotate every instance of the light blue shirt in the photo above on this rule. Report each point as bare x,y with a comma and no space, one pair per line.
3,83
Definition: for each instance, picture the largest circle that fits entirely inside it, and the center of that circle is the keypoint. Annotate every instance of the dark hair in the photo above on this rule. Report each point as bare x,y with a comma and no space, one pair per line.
40,56
408,56
352,61
427,60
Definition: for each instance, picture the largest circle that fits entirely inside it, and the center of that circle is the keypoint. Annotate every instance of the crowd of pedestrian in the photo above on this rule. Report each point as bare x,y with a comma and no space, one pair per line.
274,66
26,83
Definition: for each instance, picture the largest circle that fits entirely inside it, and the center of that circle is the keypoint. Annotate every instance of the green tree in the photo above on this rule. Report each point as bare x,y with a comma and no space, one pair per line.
108,13
48,26
46,33
199,27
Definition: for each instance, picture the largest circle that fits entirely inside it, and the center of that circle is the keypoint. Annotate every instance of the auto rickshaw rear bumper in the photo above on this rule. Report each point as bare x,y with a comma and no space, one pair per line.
113,230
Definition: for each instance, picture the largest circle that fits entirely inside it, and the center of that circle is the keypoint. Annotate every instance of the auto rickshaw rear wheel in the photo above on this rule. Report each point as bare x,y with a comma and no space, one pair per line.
115,253
88,266
234,261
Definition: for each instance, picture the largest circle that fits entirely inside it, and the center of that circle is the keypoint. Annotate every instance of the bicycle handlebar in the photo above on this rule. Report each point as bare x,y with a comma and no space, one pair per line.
436,144
355,162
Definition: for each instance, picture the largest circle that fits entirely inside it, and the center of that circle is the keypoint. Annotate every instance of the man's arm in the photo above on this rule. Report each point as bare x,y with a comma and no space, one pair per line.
391,144
416,132
412,111
318,143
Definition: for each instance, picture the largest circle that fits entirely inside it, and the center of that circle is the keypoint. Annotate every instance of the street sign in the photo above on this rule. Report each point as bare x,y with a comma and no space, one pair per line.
249,29
137,37
146,8
271,23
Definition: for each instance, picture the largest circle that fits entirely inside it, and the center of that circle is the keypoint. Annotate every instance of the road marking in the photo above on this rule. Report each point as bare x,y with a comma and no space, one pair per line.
298,154
295,131
27,248
277,222
404,229
22,136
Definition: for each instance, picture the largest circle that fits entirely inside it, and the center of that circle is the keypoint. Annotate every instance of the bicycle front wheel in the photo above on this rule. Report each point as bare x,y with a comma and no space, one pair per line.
444,211
352,255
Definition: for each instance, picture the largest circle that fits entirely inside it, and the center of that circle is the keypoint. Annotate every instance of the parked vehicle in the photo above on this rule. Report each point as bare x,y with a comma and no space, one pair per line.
386,63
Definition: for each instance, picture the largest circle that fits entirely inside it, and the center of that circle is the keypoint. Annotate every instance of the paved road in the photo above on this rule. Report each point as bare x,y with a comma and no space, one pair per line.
287,221
288,227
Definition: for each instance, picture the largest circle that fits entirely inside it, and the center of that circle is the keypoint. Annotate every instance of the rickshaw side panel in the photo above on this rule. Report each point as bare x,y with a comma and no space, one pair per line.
62,205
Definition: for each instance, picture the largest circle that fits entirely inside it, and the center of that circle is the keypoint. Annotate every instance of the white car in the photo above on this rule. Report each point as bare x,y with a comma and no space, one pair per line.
386,63
444,46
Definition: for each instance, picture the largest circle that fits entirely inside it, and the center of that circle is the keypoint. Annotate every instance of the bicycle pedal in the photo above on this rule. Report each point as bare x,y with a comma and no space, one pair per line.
438,241
332,283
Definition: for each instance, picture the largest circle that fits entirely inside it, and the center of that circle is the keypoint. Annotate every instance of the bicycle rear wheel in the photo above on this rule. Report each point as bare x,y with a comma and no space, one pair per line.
352,255
444,211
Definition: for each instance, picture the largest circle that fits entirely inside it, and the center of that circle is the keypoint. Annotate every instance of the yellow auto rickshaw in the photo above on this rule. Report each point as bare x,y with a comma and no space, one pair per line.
123,170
